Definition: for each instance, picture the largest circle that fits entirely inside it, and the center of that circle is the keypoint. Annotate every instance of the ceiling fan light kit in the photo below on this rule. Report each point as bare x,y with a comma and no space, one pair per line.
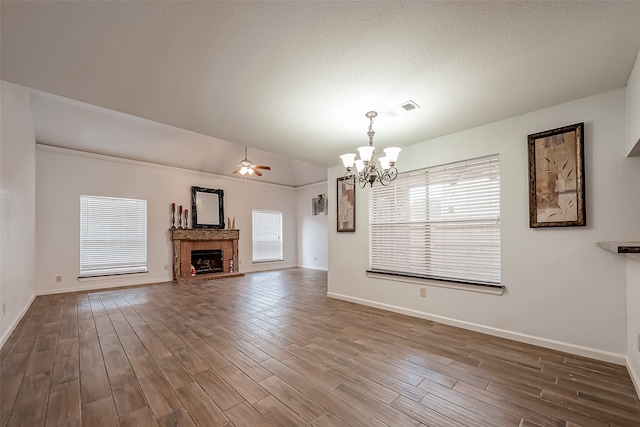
367,169
246,167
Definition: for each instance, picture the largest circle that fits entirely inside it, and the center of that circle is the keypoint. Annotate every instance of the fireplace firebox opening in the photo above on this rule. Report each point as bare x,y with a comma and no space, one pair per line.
207,261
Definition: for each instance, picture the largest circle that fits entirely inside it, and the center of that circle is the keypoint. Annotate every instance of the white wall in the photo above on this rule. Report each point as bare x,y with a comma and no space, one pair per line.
633,318
17,212
633,261
64,175
562,291
312,229
632,142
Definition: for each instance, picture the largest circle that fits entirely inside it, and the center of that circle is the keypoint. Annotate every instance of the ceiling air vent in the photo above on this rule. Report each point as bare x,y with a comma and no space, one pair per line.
403,108
409,105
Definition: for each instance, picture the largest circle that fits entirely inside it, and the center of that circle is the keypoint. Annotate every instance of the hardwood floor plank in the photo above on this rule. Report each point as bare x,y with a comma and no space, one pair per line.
482,409
40,362
190,360
289,375
142,364
116,362
174,372
140,418
248,366
177,418
200,407
388,415
46,342
15,364
400,387
211,357
159,395
424,414
64,404
245,415
65,369
33,393
8,392
328,420
33,418
94,384
126,393
301,405
313,372
218,390
271,349
350,413
277,413
501,401
242,384
101,413
90,357
152,343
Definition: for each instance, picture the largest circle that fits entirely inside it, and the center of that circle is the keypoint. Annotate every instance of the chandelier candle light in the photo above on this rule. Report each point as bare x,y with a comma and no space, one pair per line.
367,169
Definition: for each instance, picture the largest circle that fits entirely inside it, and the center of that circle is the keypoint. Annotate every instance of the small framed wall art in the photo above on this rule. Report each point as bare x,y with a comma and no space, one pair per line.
346,205
319,205
556,177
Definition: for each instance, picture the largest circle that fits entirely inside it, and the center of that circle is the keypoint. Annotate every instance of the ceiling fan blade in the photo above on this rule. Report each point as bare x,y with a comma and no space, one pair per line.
236,171
257,172
268,168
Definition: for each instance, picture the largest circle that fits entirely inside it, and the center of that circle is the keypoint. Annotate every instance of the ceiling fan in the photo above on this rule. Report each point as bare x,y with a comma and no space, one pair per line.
247,168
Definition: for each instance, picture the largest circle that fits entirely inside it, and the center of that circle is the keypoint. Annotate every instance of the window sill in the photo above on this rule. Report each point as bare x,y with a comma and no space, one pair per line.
483,289
108,276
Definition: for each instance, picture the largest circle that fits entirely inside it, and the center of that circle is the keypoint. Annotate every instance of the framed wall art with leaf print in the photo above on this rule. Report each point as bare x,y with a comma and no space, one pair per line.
556,177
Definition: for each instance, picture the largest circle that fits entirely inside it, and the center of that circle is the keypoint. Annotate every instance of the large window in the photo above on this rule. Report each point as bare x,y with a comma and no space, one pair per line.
113,236
439,223
267,235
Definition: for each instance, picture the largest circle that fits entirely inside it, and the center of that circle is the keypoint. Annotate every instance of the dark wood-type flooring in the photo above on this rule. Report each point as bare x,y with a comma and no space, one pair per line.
271,349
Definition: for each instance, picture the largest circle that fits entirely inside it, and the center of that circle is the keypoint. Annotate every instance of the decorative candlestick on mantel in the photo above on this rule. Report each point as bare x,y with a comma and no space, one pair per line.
186,219
180,218
173,216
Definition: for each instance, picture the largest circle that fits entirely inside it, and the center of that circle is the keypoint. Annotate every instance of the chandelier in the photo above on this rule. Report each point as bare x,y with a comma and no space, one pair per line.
367,169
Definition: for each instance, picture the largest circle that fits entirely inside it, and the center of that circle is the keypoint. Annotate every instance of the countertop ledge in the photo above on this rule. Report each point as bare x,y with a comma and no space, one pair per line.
621,247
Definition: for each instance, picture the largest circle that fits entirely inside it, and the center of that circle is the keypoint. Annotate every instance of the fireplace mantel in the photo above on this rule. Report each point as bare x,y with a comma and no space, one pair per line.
186,240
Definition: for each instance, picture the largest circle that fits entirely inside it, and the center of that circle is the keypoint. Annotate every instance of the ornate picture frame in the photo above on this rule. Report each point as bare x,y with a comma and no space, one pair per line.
556,177
346,205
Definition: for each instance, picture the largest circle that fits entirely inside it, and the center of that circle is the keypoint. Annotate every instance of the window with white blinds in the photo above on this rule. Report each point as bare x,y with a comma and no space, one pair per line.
439,223
267,235
113,236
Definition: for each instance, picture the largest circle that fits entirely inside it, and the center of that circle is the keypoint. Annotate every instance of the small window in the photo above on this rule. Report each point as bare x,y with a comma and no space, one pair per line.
113,236
439,223
267,236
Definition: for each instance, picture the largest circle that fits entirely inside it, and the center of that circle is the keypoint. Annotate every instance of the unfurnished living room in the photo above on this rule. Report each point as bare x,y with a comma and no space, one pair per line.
323,213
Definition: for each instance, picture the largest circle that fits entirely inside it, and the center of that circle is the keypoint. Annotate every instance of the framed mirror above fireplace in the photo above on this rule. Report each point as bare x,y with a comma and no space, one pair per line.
207,208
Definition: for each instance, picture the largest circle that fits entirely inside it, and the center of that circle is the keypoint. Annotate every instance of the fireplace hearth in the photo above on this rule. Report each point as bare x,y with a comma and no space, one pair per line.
207,261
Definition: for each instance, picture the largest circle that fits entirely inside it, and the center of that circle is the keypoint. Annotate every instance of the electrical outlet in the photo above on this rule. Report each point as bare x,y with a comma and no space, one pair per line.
423,292
58,278
4,308
166,267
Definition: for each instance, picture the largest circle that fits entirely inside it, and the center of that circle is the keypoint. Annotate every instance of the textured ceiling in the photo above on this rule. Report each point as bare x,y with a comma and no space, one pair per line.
296,78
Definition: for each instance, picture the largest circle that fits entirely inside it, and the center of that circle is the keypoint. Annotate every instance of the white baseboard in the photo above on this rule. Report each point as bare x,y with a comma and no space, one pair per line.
635,376
313,267
619,359
92,286
15,322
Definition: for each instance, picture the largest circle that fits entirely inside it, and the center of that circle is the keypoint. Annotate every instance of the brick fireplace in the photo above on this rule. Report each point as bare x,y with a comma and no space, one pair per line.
211,248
